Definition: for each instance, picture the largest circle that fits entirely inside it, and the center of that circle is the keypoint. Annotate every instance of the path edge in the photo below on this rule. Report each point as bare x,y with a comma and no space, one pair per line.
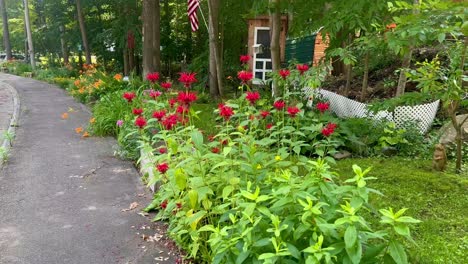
7,141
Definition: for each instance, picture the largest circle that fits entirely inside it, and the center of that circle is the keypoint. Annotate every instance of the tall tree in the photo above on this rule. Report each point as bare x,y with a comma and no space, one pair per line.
6,31
84,37
157,36
216,69
148,36
275,27
27,23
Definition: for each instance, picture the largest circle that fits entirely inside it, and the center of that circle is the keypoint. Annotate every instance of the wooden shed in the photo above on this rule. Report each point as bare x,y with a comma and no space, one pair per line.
308,49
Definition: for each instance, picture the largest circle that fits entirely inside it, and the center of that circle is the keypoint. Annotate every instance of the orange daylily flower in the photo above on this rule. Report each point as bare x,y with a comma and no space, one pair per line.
92,120
85,134
64,115
78,130
118,77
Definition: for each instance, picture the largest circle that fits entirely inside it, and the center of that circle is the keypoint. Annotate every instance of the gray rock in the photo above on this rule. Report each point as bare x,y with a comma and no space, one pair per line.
447,132
342,155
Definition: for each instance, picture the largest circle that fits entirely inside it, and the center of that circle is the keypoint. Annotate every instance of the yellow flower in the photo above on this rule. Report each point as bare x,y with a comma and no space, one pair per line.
259,166
277,158
64,115
78,130
92,120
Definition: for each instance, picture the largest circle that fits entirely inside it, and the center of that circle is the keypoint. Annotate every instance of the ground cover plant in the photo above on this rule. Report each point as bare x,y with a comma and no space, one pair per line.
438,199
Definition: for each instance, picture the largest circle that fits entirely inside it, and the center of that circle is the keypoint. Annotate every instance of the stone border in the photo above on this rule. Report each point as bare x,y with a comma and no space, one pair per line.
13,119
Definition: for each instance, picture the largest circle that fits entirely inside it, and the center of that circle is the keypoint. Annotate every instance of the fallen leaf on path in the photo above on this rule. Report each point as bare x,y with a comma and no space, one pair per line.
85,134
79,130
143,214
71,110
132,206
64,115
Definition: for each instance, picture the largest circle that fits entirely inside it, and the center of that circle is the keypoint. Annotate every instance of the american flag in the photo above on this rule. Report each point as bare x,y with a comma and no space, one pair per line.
192,13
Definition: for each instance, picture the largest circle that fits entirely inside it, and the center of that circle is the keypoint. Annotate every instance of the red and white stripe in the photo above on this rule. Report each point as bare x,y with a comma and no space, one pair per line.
192,13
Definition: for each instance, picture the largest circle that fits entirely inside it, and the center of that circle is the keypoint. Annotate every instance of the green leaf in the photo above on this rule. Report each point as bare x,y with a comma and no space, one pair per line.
350,236
197,138
193,198
266,256
227,191
294,251
372,252
402,229
355,253
397,252
181,179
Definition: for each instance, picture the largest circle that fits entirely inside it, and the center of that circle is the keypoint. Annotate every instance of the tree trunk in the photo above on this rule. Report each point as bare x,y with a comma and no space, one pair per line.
365,78
27,22
6,31
406,63
125,54
148,37
349,75
216,82
63,44
275,30
84,37
157,36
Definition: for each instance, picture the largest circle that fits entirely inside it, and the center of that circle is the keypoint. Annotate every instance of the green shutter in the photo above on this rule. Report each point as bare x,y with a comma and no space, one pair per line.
300,49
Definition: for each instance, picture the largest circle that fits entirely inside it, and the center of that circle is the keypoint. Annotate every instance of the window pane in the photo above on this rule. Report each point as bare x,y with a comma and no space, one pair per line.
269,66
259,75
259,65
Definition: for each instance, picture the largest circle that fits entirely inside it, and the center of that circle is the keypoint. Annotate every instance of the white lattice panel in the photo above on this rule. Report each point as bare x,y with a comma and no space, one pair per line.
423,115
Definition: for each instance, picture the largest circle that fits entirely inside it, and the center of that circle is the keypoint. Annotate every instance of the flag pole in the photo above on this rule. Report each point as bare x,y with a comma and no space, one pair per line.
203,16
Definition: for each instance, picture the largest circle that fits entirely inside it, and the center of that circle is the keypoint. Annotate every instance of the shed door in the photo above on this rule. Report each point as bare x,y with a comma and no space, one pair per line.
262,61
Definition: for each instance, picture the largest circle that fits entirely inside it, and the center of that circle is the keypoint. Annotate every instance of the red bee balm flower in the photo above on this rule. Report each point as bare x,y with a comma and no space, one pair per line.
328,129
182,109
293,111
244,59
302,68
279,104
187,78
159,115
215,150
245,76
252,97
154,94
264,114
129,96
172,102
225,111
162,168
170,121
137,111
164,204
152,77
269,126
322,107
166,85
284,73
186,98
140,122
162,150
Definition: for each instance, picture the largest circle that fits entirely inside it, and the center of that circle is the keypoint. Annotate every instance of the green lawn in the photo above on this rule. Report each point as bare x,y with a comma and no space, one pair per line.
440,200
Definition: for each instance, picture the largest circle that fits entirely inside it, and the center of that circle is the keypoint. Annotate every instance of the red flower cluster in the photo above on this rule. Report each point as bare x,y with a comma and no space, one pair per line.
166,85
225,111
170,121
215,150
154,94
137,111
182,109
186,98
252,97
187,78
244,59
284,73
164,204
245,76
279,105
162,167
264,114
162,150
172,102
140,122
152,77
269,126
129,96
293,111
302,68
159,115
322,107
329,129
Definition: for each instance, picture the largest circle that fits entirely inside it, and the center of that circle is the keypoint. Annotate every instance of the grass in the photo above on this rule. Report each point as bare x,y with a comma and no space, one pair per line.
206,120
438,199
